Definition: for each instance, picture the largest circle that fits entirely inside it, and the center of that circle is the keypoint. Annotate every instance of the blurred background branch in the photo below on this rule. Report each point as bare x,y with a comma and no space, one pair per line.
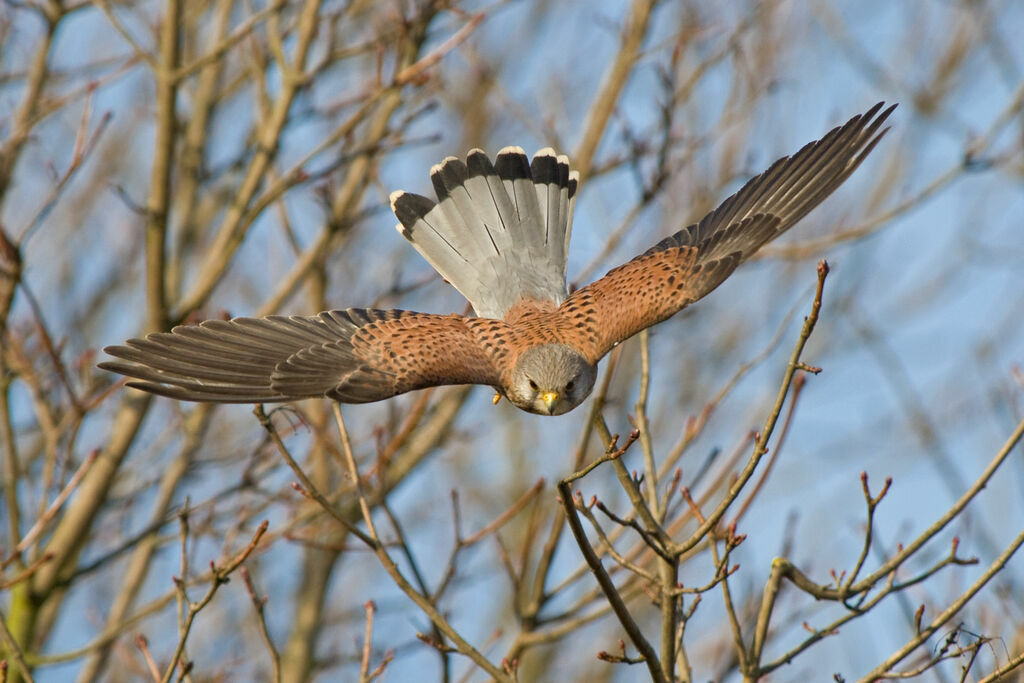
167,161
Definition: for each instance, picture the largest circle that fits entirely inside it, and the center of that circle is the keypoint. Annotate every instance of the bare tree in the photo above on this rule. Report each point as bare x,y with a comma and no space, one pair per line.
744,496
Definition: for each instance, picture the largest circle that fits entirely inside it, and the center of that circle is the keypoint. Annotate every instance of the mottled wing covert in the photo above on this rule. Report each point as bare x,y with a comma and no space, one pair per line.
353,356
686,266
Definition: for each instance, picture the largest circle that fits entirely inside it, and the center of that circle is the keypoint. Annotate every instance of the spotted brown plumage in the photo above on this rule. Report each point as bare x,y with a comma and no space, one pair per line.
686,266
499,233
352,356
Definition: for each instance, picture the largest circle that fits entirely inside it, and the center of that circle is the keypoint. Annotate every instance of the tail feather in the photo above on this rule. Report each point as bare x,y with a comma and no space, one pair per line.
569,202
513,168
499,232
544,170
493,205
436,244
449,178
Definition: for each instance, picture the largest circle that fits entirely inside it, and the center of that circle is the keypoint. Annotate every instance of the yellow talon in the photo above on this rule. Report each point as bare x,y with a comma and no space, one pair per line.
497,397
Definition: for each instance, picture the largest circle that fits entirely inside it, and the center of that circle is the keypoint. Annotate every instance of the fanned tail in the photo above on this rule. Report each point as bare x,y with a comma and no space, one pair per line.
499,233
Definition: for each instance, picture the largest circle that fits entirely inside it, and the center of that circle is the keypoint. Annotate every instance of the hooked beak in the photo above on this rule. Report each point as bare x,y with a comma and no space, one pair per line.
549,398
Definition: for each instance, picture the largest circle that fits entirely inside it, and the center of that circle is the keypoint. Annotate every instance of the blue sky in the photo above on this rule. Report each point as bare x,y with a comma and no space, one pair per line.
919,333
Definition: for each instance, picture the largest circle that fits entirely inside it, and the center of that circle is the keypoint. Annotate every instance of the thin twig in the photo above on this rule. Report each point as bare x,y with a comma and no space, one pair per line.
374,543
45,518
947,614
260,604
220,577
761,445
413,71
636,636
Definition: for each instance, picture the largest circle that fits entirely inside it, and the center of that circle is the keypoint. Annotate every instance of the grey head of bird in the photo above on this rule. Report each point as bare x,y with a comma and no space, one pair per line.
550,379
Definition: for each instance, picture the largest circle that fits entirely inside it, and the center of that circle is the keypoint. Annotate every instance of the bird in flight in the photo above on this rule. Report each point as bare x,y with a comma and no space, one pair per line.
499,233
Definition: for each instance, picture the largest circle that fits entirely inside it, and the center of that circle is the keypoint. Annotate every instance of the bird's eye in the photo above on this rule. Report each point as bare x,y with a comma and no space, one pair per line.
570,386
533,385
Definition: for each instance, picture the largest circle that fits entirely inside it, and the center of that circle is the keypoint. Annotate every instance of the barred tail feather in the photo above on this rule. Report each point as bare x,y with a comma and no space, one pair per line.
499,232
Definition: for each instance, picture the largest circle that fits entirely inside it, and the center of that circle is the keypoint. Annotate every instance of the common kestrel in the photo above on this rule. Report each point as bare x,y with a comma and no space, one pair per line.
499,233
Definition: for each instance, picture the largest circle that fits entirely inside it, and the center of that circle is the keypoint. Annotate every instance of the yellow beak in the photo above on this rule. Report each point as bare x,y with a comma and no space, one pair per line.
549,398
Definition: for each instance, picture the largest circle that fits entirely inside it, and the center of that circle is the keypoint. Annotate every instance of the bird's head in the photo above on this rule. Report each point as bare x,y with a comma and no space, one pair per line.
550,379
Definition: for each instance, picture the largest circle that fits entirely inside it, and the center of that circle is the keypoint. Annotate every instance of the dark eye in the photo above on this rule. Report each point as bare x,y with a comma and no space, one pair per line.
569,386
533,385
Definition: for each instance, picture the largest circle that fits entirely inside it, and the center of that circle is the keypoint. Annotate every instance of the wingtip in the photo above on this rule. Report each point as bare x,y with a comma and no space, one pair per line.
872,120
873,112
116,351
392,198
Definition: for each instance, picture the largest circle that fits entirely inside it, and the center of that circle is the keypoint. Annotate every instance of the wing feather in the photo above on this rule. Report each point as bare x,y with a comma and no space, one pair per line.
688,265
353,356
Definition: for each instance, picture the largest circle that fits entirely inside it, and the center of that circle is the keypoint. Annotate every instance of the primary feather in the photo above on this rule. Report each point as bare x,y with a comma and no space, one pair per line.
499,232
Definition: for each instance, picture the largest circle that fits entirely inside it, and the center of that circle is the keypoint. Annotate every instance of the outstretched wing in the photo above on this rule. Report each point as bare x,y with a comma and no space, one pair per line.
352,356
686,266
